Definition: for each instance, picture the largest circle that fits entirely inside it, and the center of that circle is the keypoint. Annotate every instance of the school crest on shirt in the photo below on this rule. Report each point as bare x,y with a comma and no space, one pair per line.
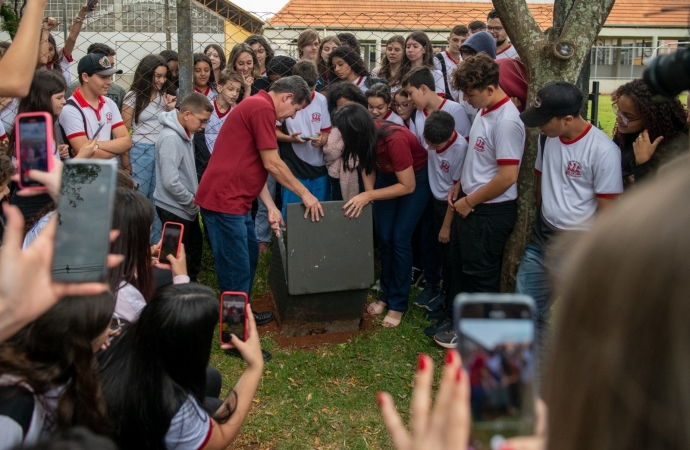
479,145
445,166
573,169
315,117
109,117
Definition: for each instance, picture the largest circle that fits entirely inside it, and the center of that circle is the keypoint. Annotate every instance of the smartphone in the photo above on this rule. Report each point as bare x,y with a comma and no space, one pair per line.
309,138
172,239
33,145
91,4
233,316
98,130
85,208
496,340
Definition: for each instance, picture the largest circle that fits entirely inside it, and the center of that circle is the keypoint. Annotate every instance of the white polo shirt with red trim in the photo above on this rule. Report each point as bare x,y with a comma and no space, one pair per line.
451,65
462,122
72,122
310,121
9,114
210,93
574,174
391,116
445,166
497,138
64,61
508,52
3,133
361,84
215,122
190,428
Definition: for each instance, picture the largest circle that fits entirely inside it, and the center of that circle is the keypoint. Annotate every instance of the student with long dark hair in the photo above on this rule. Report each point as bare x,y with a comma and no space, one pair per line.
217,56
140,110
393,166
379,101
60,59
48,379
420,53
262,50
347,64
172,60
154,378
204,78
391,62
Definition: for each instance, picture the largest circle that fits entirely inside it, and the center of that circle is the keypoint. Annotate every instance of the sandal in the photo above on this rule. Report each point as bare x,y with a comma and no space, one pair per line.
391,321
375,309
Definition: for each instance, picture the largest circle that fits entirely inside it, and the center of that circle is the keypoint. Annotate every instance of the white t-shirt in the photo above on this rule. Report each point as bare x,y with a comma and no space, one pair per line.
469,109
462,122
215,122
451,65
393,117
574,173
310,121
3,133
497,138
8,114
190,427
445,166
210,93
508,52
361,84
147,128
64,62
72,122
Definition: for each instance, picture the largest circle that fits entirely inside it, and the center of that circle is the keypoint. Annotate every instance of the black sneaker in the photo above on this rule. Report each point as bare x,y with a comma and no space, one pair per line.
428,295
446,339
444,324
236,353
437,315
417,274
263,317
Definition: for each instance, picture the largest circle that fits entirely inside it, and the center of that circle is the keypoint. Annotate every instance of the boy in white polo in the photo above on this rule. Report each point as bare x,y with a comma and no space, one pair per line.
580,171
485,199
88,108
447,60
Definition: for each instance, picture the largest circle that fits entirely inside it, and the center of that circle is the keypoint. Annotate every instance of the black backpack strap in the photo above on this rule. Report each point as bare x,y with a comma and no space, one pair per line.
542,143
18,404
62,130
444,70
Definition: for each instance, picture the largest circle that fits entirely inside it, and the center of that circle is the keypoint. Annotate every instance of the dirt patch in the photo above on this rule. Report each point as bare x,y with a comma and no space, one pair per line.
265,303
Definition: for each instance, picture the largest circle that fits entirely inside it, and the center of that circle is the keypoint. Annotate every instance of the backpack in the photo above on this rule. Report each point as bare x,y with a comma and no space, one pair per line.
440,57
63,135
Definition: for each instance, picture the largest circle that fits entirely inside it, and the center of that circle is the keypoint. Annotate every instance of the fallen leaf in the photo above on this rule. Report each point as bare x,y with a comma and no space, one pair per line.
309,396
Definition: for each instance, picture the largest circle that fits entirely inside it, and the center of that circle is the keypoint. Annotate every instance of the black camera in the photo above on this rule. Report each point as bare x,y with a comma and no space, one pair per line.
669,75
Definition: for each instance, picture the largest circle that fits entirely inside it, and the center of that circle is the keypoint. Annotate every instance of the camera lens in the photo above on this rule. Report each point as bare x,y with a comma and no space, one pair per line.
669,75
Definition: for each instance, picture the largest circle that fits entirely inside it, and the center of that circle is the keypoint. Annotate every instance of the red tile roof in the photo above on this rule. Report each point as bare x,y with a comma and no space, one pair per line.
431,14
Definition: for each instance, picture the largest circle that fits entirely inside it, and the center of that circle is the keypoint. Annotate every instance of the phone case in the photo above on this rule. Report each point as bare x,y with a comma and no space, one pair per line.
49,145
177,254
220,320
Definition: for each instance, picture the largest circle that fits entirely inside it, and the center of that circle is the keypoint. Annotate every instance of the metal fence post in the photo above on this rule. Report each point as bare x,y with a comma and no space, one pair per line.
185,47
594,96
65,31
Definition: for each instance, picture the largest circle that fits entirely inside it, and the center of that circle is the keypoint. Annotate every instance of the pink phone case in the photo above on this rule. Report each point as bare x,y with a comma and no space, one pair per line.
49,144
177,254
220,322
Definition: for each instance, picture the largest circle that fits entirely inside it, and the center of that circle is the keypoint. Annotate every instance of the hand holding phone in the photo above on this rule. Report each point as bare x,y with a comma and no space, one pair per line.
34,147
170,242
233,316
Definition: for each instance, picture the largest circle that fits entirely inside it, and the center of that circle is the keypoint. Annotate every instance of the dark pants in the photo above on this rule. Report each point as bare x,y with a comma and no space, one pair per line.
395,221
476,247
192,238
431,262
442,250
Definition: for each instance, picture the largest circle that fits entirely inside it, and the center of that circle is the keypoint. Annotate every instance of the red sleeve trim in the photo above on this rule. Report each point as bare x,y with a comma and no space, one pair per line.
208,435
279,127
441,94
119,124
3,137
77,134
537,171
455,181
326,130
608,195
67,57
508,162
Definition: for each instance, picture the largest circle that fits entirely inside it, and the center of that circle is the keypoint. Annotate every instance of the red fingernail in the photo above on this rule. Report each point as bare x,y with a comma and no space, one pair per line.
450,356
458,376
379,398
422,362
506,447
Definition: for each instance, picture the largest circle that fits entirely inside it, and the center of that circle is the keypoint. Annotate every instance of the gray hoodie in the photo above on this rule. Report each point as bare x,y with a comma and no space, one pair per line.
482,42
176,182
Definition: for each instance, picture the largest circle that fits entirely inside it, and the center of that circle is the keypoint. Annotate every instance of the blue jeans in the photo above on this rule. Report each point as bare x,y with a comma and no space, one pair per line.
235,249
532,279
317,186
142,158
262,227
395,221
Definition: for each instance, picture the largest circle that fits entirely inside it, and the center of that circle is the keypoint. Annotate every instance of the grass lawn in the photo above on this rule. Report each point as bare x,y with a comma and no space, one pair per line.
326,398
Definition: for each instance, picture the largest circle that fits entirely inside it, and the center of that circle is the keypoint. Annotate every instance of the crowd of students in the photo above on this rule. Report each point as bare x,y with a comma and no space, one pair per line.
433,142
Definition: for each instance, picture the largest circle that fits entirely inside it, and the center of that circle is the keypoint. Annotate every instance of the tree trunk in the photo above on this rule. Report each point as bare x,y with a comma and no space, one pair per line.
576,25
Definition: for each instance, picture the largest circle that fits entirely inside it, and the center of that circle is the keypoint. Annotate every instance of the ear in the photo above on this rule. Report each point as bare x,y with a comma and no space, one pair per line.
84,77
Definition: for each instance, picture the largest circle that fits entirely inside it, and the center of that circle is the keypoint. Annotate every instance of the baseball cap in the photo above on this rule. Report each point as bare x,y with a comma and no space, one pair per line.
555,99
96,63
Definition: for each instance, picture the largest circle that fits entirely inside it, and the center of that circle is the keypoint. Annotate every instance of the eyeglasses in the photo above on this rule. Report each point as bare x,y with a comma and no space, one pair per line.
496,29
621,115
203,121
402,105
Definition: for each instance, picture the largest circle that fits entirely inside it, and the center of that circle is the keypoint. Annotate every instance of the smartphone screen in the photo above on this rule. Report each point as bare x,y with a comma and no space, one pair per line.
171,241
232,317
496,341
33,147
82,240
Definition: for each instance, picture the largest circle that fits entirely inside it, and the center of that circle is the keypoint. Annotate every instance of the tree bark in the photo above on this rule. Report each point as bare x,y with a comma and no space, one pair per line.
578,23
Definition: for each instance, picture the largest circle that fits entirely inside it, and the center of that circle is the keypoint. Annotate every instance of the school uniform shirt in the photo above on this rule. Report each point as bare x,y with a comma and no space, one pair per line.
210,93
72,122
451,65
9,114
303,159
462,122
497,139
393,117
64,62
399,151
439,86
215,122
470,110
235,174
3,133
508,52
573,175
190,428
445,166
361,83
146,129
